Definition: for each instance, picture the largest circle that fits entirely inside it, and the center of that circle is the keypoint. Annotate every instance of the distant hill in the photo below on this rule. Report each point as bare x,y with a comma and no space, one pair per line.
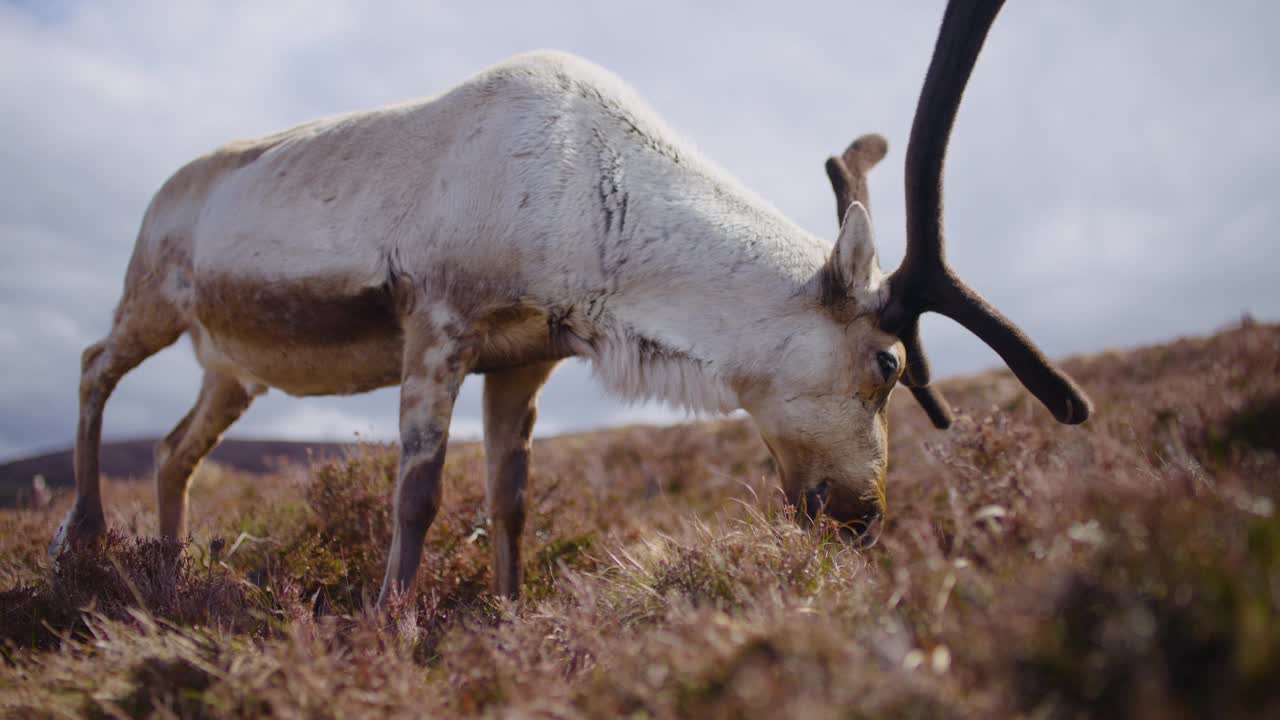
133,459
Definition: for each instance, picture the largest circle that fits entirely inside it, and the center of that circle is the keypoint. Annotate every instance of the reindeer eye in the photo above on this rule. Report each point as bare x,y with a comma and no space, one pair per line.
888,363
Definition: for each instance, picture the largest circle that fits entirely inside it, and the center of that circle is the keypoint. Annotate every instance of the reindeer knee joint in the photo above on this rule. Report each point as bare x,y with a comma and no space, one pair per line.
90,382
90,356
417,443
161,454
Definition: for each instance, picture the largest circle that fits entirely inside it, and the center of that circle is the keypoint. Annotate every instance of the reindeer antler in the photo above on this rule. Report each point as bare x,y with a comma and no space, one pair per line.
924,282
848,175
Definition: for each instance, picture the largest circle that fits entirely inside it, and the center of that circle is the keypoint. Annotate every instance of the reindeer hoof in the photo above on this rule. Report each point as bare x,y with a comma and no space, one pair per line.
74,531
60,537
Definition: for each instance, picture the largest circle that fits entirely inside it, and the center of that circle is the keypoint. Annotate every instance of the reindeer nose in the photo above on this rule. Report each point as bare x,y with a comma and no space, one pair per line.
863,534
861,520
888,363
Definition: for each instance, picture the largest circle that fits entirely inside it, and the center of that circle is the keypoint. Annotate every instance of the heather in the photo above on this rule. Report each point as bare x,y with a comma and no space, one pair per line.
1129,567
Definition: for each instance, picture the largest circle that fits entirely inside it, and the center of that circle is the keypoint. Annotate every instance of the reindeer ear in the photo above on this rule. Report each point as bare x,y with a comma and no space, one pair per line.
854,260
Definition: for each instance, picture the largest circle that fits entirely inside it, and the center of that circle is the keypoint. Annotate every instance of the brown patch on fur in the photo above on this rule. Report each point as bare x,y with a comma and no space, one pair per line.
517,336
311,311
315,336
514,315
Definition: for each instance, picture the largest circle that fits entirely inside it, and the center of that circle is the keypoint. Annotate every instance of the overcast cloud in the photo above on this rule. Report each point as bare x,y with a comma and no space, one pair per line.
1112,178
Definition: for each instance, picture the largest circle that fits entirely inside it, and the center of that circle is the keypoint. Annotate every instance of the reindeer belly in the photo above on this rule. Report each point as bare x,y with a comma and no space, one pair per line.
305,337
313,338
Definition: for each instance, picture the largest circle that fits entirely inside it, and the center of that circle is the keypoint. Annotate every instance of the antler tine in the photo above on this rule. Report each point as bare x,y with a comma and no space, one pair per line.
923,281
848,175
917,371
934,405
841,181
916,376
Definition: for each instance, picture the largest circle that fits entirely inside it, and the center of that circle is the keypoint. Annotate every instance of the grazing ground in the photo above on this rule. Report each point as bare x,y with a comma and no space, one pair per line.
1126,568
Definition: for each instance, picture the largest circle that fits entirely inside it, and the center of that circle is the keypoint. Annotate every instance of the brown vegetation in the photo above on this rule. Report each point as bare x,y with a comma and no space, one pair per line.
1129,567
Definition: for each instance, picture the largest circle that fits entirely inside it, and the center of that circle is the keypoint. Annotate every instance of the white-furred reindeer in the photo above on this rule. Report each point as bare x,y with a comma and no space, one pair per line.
536,212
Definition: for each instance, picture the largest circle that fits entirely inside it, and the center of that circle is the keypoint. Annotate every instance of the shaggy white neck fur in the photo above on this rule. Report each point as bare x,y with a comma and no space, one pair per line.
634,370
709,301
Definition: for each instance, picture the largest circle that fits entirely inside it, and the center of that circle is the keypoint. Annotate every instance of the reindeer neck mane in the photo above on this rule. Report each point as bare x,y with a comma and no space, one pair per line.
636,368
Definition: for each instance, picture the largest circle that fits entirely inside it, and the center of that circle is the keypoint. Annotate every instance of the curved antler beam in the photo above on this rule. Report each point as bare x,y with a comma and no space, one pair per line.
924,282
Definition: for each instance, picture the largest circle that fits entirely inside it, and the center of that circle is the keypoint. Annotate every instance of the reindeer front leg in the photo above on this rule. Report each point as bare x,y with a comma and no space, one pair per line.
510,409
438,353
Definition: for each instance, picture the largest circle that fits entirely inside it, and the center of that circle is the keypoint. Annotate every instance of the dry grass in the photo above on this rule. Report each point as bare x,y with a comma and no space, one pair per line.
1127,568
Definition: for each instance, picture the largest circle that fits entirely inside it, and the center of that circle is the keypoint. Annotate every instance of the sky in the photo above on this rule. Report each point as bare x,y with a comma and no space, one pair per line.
1111,180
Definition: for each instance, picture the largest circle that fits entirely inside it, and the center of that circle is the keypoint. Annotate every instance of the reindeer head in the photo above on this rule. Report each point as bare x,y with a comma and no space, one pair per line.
829,434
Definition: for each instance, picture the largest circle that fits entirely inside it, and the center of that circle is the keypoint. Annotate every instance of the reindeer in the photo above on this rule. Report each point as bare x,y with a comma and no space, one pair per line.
536,212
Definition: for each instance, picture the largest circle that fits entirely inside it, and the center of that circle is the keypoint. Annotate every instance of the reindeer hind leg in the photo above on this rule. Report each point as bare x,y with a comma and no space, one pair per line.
143,326
223,399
